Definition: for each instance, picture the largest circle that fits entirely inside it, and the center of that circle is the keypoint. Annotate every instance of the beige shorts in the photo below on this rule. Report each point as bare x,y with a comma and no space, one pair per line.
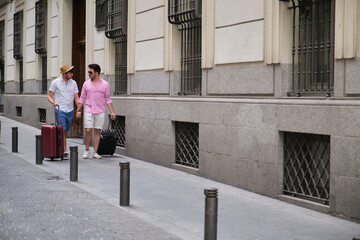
94,120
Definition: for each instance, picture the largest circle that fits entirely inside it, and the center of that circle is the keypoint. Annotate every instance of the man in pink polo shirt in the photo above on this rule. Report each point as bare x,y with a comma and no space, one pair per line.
96,93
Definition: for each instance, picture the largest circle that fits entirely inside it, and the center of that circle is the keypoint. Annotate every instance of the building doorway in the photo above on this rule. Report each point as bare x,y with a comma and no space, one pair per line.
78,56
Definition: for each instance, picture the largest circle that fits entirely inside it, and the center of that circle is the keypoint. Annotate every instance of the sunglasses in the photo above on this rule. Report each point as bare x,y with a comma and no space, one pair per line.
90,72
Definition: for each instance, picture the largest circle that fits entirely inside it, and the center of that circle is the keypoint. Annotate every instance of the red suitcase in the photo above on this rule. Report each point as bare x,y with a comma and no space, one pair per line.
53,140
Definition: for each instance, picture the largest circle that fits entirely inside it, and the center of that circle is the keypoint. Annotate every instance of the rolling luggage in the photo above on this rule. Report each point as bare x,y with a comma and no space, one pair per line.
108,140
53,140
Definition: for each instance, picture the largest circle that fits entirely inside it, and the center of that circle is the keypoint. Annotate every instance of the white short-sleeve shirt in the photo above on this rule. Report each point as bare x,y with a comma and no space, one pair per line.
64,93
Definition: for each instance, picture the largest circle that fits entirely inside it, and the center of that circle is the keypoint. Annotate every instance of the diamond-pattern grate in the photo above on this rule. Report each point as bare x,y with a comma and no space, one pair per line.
119,126
307,166
42,115
187,144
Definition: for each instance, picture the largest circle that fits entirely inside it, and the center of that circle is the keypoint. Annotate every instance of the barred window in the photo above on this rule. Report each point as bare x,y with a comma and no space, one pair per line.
21,80
40,26
18,111
2,46
18,27
307,166
42,115
44,74
187,144
187,14
313,47
100,14
116,28
119,126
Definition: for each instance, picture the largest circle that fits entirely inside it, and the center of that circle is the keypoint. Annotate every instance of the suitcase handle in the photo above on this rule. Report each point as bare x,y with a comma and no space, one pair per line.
58,106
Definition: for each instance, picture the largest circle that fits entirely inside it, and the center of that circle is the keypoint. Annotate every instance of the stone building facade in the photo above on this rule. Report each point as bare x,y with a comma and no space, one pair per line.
262,95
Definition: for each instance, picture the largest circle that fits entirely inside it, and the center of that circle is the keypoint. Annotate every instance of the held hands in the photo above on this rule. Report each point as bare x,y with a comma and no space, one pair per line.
78,114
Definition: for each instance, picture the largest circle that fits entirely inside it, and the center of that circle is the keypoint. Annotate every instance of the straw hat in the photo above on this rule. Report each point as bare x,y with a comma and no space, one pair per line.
65,68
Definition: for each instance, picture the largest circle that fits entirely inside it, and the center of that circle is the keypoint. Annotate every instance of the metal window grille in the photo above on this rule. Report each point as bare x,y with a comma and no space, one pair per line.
42,115
2,36
18,26
2,75
191,57
187,13
116,28
116,18
100,14
187,144
19,111
121,65
307,166
21,80
180,11
44,74
119,126
40,26
313,47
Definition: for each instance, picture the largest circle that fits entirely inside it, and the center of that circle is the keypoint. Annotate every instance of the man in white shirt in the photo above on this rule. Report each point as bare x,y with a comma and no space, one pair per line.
64,91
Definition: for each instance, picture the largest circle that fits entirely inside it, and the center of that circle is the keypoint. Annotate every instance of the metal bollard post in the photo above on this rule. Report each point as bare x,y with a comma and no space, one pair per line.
211,209
14,139
73,163
124,183
38,149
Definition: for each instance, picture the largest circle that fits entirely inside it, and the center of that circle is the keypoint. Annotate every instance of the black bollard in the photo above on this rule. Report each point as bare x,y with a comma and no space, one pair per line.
38,149
124,183
211,209
14,139
73,163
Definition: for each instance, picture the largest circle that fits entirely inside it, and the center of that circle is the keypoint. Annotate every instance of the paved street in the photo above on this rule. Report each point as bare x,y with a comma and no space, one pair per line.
35,204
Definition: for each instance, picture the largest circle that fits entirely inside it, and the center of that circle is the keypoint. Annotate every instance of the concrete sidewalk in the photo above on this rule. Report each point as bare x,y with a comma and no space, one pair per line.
174,200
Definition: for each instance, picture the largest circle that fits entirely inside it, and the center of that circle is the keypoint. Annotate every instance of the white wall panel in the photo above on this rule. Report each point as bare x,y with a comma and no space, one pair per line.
143,5
240,43
150,24
149,55
230,12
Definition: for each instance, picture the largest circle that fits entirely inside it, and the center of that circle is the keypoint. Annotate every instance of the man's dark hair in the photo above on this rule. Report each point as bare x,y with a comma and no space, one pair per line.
96,67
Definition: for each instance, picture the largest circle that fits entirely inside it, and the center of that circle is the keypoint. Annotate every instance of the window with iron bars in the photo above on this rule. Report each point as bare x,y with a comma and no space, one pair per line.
119,126
40,40
187,14
19,111
307,166
313,47
40,26
100,14
42,115
18,27
116,28
187,144
2,80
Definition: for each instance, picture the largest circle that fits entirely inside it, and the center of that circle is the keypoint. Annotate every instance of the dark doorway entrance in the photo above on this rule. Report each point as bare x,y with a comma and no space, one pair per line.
78,56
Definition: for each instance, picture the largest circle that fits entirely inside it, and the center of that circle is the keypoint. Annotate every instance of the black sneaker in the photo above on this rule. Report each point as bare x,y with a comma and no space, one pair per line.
66,156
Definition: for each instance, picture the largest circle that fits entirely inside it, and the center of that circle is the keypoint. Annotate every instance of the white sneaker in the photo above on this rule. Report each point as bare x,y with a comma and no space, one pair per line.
86,154
96,155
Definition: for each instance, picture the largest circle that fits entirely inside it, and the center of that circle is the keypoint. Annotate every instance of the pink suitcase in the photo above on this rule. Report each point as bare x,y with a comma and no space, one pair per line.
53,140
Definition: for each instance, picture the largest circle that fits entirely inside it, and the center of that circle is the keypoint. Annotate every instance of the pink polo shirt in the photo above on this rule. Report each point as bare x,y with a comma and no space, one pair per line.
97,97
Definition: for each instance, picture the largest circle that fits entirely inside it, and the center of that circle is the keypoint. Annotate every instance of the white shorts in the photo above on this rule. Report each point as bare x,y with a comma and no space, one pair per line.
94,120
